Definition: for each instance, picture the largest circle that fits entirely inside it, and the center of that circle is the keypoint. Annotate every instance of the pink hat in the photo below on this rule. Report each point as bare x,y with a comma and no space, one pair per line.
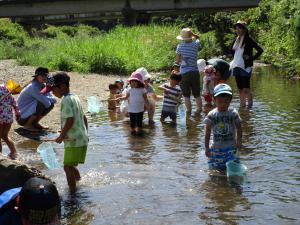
136,76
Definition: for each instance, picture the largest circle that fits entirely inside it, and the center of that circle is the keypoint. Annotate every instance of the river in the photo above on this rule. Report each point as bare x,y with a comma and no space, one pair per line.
162,178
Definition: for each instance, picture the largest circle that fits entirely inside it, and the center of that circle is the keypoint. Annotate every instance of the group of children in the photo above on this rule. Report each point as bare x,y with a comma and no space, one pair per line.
140,96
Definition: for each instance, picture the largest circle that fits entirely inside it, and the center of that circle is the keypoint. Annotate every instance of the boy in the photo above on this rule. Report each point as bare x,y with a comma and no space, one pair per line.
172,94
227,130
74,127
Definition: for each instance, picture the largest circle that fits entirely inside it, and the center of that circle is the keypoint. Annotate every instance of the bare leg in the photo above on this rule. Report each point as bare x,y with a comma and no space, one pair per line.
38,125
76,174
242,98
9,142
151,112
188,104
249,97
70,178
30,122
199,104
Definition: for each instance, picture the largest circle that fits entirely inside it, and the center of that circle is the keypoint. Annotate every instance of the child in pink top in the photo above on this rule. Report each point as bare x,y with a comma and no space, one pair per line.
7,105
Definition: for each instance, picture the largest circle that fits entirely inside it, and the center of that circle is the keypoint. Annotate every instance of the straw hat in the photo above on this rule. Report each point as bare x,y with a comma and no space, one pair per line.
185,35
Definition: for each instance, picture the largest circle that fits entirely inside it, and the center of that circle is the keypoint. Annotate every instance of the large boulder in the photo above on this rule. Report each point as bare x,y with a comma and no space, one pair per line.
14,173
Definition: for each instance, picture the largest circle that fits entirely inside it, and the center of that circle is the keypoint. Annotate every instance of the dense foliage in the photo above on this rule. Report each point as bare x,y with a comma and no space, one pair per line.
275,24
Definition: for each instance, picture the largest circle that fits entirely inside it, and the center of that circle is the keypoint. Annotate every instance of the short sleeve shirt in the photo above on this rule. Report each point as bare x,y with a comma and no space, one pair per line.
223,127
77,136
136,100
188,52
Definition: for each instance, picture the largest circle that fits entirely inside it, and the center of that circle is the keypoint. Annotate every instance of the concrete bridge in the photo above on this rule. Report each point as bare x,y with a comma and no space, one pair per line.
76,10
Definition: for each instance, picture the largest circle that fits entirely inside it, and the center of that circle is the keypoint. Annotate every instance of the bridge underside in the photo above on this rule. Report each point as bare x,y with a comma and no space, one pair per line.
67,10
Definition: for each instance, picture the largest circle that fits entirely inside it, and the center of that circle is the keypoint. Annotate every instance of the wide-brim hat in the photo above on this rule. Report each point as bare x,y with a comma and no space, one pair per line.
144,73
222,89
136,76
241,23
185,35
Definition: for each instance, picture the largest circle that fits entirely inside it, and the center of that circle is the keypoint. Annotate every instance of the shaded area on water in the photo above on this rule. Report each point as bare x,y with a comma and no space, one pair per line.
162,178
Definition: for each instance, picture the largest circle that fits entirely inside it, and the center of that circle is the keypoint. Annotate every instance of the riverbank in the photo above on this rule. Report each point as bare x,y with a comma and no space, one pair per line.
83,85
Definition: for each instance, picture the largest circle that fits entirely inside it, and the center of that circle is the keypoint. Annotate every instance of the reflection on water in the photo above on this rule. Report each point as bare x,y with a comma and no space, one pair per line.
161,178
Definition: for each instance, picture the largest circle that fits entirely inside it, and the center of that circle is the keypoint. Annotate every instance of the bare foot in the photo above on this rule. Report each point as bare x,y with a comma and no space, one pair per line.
41,127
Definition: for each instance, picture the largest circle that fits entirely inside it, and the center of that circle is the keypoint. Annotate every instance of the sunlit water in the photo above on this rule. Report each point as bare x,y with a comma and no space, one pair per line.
162,178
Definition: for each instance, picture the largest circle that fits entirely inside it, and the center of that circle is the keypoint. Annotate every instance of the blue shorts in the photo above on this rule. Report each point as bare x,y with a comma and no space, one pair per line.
220,156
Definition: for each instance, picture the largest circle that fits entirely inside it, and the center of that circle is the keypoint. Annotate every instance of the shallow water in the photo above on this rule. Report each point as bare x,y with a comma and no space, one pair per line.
162,177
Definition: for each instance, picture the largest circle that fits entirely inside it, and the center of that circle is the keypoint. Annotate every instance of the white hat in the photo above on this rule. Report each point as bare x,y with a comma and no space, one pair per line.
185,35
144,73
201,63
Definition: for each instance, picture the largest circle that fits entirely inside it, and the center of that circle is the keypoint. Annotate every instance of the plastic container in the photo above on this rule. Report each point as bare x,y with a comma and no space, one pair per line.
235,168
94,104
48,155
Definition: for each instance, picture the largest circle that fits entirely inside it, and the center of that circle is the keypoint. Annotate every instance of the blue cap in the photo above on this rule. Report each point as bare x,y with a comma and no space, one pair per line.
222,89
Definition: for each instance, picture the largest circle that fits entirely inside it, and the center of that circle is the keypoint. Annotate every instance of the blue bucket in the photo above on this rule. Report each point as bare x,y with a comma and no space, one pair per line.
235,168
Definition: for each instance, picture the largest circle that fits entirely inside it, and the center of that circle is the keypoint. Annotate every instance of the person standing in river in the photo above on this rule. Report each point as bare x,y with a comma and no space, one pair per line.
186,57
242,63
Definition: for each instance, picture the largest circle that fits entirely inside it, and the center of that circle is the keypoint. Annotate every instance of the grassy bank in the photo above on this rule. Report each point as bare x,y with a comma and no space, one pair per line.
275,24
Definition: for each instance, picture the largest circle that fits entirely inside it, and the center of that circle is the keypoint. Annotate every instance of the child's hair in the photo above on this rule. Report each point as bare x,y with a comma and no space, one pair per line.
119,81
175,66
176,77
61,78
223,95
112,87
140,85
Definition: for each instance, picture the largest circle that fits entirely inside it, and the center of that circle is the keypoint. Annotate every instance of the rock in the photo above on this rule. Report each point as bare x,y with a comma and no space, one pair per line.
14,173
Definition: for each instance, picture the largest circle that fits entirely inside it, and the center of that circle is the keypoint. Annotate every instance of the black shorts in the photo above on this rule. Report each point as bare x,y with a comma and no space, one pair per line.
190,83
242,82
165,114
136,119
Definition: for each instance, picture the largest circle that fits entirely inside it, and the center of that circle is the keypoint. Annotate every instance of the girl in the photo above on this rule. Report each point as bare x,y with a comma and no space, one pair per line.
137,99
7,104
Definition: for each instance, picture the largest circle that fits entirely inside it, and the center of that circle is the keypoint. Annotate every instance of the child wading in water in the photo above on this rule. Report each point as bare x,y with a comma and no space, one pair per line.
172,94
7,105
137,100
74,127
227,130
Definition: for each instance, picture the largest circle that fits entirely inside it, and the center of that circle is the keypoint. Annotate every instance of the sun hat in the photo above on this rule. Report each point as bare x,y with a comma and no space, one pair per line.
42,71
201,63
220,65
241,23
56,79
185,35
136,76
222,89
119,81
39,201
144,73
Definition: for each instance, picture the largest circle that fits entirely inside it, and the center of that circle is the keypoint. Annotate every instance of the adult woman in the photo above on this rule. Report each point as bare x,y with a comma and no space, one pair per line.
32,104
186,57
242,63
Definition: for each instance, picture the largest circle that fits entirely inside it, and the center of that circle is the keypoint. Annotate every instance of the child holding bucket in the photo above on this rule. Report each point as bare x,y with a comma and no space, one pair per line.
137,101
74,127
7,106
227,131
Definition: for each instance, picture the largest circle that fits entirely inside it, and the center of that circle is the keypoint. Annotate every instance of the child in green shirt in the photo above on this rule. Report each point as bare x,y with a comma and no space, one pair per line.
74,127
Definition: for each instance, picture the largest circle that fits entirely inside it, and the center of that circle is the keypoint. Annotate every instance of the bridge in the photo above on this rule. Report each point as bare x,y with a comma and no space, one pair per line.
40,11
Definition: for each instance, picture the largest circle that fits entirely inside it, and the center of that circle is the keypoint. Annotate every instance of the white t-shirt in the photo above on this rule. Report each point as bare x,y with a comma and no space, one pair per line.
136,100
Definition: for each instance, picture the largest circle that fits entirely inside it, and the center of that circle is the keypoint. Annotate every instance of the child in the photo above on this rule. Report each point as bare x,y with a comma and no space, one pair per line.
7,105
172,94
227,130
137,100
208,84
120,86
112,102
74,127
152,97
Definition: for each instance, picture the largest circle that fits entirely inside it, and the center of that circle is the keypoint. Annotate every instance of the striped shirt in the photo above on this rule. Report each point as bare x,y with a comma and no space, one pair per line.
188,52
173,92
